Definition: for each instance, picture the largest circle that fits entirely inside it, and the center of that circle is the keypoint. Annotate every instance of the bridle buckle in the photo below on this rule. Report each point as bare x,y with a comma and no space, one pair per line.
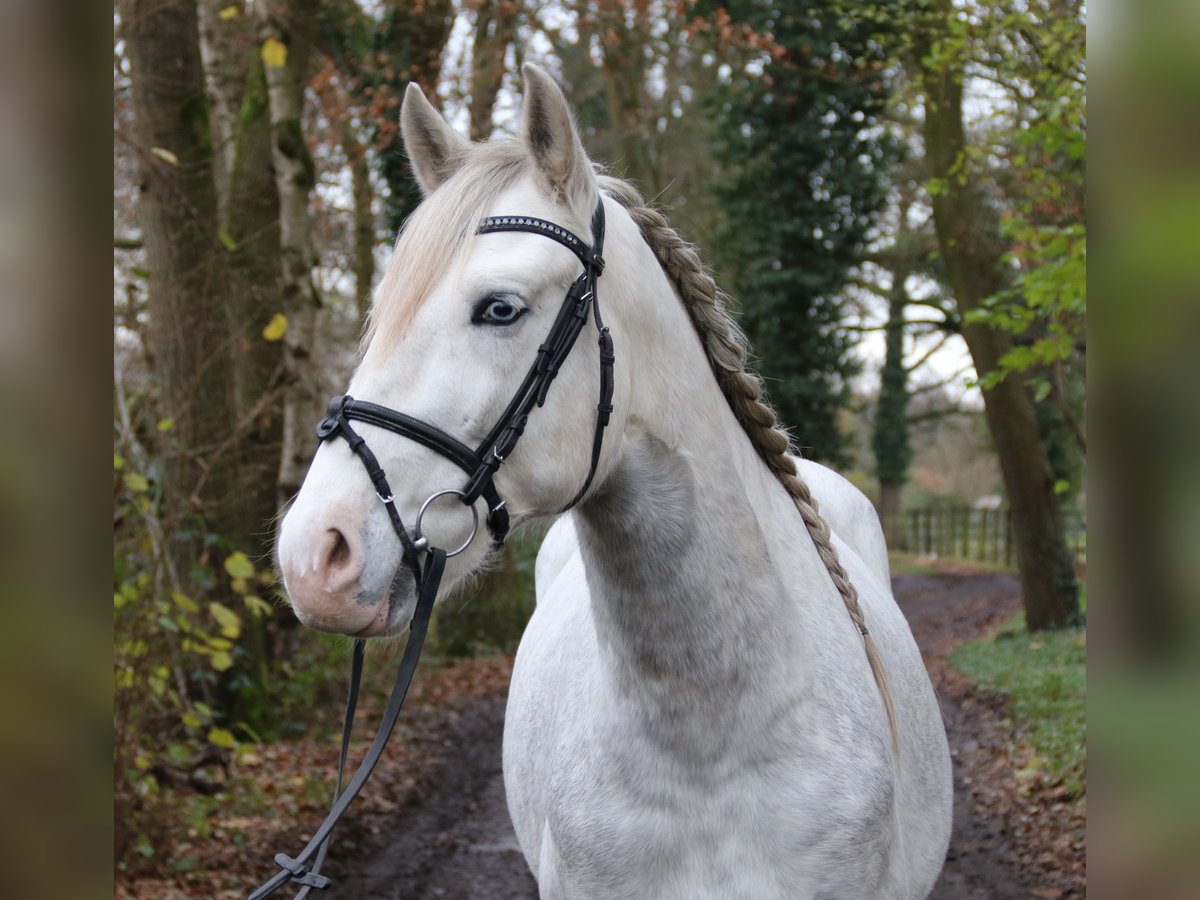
300,873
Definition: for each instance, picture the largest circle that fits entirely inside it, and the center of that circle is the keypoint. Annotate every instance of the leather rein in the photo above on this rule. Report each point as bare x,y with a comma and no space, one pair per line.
426,562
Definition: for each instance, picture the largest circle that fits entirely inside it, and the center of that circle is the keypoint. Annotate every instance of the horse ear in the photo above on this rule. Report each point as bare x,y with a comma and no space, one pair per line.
550,135
434,148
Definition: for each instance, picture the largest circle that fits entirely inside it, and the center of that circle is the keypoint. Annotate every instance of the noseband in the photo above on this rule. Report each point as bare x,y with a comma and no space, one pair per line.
480,466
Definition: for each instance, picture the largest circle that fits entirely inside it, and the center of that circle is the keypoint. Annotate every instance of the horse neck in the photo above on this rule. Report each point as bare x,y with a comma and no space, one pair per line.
680,544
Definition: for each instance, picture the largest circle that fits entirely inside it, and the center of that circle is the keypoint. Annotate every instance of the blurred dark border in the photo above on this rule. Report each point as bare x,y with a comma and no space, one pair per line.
1144,434
55,363
1144,495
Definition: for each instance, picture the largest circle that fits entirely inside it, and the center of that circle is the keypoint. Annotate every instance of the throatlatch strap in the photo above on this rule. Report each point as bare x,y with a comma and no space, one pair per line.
603,409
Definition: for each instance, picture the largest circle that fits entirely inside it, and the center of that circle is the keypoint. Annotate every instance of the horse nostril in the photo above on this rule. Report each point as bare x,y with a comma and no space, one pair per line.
339,553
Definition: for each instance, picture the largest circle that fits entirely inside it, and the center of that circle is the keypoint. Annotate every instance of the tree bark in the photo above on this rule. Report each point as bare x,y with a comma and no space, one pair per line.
254,299
889,512
187,335
226,45
890,441
363,261
290,23
413,36
494,25
974,269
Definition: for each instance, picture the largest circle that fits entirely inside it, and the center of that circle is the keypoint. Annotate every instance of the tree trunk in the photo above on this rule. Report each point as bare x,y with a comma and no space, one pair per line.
890,441
494,25
624,63
254,299
414,36
289,24
974,269
187,335
889,512
364,221
226,45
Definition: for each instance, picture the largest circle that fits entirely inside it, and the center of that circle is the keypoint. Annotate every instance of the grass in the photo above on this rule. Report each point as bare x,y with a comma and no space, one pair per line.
1045,678
916,564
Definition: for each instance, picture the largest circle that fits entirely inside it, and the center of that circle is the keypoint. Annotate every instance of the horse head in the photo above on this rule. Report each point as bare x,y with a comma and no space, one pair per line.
455,326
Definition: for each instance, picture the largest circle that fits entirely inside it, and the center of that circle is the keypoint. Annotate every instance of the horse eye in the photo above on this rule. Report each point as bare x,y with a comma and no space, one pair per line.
497,311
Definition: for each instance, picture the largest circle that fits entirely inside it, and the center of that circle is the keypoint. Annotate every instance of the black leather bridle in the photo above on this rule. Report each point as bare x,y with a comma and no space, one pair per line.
480,466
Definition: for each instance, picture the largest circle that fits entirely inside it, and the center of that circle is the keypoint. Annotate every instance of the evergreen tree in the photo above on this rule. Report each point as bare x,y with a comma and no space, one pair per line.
802,162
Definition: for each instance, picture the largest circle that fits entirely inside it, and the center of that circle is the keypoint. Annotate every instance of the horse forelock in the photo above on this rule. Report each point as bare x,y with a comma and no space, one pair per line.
436,237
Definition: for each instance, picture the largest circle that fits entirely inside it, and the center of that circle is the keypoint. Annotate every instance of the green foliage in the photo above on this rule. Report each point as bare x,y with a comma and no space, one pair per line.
169,645
1045,308
1040,186
407,39
190,649
1044,674
1038,50
802,163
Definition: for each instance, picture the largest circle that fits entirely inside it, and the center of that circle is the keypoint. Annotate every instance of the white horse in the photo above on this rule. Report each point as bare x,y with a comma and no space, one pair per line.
693,712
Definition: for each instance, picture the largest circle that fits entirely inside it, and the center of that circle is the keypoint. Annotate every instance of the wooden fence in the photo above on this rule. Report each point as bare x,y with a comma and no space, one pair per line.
977,535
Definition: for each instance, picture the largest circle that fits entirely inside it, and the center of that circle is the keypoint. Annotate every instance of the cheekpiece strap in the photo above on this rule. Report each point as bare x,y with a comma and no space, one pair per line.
580,301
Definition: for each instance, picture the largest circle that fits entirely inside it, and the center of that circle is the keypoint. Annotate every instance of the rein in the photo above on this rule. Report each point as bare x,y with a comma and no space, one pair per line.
480,465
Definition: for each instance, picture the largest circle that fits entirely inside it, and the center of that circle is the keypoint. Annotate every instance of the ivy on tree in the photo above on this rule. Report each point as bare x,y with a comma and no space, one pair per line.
800,182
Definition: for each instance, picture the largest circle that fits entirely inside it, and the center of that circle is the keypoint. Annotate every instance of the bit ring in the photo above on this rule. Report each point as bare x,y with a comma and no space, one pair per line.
421,542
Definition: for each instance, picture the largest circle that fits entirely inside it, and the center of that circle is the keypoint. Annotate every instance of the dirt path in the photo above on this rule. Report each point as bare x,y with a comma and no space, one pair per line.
943,611
455,841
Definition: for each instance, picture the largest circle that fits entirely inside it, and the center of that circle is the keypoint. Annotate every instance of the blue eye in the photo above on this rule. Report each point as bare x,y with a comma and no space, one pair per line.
497,311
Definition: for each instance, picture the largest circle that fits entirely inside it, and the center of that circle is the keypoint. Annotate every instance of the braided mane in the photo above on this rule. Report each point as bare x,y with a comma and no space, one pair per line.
726,347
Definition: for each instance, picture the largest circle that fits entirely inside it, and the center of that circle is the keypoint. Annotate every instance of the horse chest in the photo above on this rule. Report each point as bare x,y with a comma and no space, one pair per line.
628,819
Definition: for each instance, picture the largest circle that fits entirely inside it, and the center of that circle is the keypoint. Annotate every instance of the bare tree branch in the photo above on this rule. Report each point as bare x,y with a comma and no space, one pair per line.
929,353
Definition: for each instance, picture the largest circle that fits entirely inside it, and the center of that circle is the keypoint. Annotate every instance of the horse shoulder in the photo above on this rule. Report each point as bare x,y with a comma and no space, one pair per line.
851,516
